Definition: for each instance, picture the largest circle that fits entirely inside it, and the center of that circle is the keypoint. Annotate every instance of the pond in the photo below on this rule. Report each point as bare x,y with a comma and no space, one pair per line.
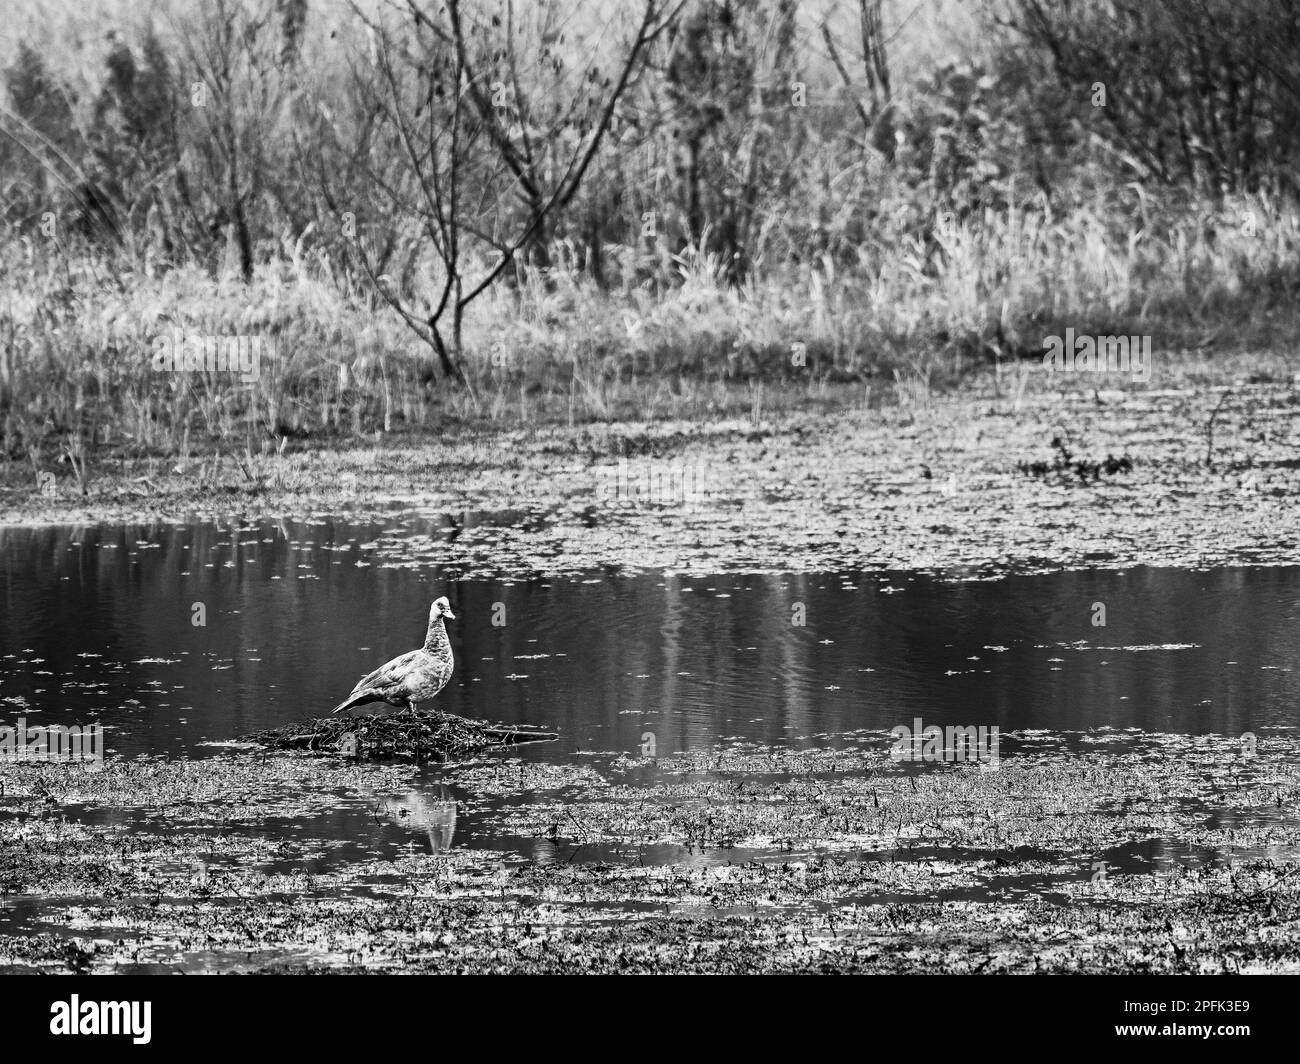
176,636
180,638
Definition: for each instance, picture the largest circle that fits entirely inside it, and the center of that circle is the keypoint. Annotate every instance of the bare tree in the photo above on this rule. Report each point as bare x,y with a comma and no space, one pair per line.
876,118
473,158
233,50
1203,91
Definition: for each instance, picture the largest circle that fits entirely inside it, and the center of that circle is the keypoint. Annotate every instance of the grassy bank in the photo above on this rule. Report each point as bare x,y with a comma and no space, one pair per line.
79,379
586,247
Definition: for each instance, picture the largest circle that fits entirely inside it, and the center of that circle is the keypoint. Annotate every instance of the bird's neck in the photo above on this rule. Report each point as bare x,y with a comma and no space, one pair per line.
436,640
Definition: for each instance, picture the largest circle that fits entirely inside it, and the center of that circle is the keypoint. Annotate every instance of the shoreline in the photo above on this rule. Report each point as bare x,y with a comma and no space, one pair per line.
968,482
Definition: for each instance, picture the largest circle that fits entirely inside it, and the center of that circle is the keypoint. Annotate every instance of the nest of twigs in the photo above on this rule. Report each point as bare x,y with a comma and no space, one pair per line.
400,735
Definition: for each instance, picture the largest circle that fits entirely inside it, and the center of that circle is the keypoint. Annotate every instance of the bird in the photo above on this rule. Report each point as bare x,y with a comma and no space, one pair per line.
413,678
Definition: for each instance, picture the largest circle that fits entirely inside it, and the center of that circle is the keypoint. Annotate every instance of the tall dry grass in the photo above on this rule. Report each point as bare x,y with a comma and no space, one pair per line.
77,338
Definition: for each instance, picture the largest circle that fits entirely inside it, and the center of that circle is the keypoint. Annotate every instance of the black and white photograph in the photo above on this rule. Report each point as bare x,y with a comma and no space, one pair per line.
650,487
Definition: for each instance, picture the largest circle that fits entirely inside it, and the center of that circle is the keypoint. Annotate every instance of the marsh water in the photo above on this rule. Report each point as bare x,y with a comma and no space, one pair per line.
179,638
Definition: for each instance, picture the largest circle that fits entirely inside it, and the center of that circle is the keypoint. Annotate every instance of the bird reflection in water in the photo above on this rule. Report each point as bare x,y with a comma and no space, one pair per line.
546,851
431,810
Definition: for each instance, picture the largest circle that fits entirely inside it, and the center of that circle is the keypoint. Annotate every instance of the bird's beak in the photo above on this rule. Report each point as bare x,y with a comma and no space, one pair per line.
448,614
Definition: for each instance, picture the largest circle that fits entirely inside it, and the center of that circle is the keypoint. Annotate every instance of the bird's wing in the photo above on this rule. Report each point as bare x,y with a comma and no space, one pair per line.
389,677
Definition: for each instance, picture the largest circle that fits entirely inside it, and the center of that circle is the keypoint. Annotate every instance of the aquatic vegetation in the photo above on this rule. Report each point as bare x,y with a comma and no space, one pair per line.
1116,850
1065,466
794,492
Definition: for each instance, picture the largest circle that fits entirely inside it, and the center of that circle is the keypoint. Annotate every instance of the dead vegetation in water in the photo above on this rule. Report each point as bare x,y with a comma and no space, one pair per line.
445,915
1065,468
1115,850
1113,787
228,788
792,491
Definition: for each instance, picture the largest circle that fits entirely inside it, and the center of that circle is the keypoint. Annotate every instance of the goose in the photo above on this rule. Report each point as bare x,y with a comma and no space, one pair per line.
413,678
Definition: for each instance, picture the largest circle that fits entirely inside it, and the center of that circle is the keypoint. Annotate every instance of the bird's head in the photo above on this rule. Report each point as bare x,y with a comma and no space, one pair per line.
441,608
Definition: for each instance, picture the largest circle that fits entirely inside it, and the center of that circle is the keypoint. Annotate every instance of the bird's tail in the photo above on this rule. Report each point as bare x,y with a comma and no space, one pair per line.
357,698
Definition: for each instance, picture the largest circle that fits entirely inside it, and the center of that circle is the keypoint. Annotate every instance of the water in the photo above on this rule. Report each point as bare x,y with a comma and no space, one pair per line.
99,625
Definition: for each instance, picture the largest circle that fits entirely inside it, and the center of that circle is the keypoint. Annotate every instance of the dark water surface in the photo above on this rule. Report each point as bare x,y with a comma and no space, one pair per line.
97,627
